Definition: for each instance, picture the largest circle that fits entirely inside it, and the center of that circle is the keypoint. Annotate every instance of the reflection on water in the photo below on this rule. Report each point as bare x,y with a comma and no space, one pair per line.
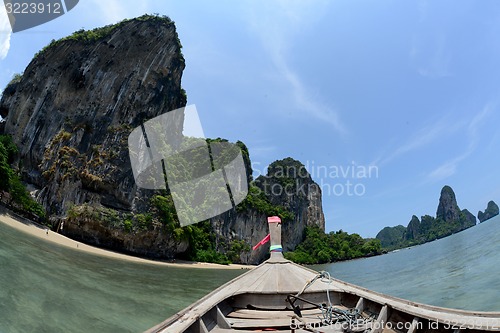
460,271
48,288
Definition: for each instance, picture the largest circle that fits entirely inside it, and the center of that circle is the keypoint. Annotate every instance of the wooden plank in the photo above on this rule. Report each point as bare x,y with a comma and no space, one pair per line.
322,330
201,326
360,306
261,323
269,323
381,320
389,330
414,325
273,301
221,320
259,314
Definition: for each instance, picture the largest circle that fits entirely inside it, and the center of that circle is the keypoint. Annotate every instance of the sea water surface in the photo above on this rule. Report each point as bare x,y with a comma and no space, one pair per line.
48,288
45,287
460,271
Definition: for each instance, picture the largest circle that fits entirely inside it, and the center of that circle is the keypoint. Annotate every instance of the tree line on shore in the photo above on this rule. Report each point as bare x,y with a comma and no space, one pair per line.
319,247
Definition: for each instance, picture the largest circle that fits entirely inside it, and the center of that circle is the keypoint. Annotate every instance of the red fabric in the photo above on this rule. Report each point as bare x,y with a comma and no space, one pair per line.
262,242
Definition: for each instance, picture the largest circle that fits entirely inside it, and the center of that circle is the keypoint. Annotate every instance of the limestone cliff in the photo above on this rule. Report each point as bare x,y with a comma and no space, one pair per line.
71,113
287,190
449,212
413,228
73,109
468,218
490,211
288,184
391,237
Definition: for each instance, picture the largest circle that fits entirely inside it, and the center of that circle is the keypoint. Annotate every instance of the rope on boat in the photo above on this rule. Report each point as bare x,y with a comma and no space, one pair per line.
330,314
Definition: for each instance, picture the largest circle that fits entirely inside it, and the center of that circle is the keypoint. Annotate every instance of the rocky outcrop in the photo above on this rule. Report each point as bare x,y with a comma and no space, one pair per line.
448,210
490,211
290,185
72,111
469,220
413,228
391,236
104,227
287,186
78,100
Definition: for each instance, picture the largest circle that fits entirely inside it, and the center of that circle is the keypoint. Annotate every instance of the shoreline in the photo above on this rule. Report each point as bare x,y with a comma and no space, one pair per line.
41,232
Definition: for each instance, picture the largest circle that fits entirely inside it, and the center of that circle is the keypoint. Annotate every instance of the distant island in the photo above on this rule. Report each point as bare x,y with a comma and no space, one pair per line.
489,212
449,220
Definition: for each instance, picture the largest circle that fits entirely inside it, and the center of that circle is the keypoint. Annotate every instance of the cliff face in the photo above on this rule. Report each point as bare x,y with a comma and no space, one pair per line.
413,228
490,211
74,107
448,210
469,220
76,103
71,114
391,236
287,185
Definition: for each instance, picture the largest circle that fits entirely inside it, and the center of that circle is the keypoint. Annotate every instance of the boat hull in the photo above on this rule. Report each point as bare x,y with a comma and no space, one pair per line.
263,299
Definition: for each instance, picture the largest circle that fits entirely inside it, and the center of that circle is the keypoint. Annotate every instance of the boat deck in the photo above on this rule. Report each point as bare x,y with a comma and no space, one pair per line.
266,299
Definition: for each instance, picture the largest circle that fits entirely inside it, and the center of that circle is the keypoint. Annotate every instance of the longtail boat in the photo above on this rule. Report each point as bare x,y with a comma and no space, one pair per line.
281,296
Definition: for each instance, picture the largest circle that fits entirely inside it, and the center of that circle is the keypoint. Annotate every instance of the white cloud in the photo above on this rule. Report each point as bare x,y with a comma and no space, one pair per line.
5,32
450,167
437,130
446,169
305,101
276,24
423,137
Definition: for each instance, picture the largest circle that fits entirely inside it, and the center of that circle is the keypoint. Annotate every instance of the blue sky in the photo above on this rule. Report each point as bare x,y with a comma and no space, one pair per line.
409,89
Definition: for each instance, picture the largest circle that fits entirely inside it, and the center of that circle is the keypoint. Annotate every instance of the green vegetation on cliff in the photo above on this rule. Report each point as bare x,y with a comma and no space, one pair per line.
391,237
256,199
18,198
83,35
200,237
319,247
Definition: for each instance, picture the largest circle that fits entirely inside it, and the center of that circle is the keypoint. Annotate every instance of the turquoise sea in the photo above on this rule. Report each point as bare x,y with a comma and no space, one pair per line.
45,287
48,288
460,271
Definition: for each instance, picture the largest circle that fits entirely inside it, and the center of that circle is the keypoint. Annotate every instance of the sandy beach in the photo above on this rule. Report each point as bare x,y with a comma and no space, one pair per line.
47,235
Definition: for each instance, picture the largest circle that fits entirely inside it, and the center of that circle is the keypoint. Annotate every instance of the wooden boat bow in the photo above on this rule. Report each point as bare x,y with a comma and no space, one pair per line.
257,300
